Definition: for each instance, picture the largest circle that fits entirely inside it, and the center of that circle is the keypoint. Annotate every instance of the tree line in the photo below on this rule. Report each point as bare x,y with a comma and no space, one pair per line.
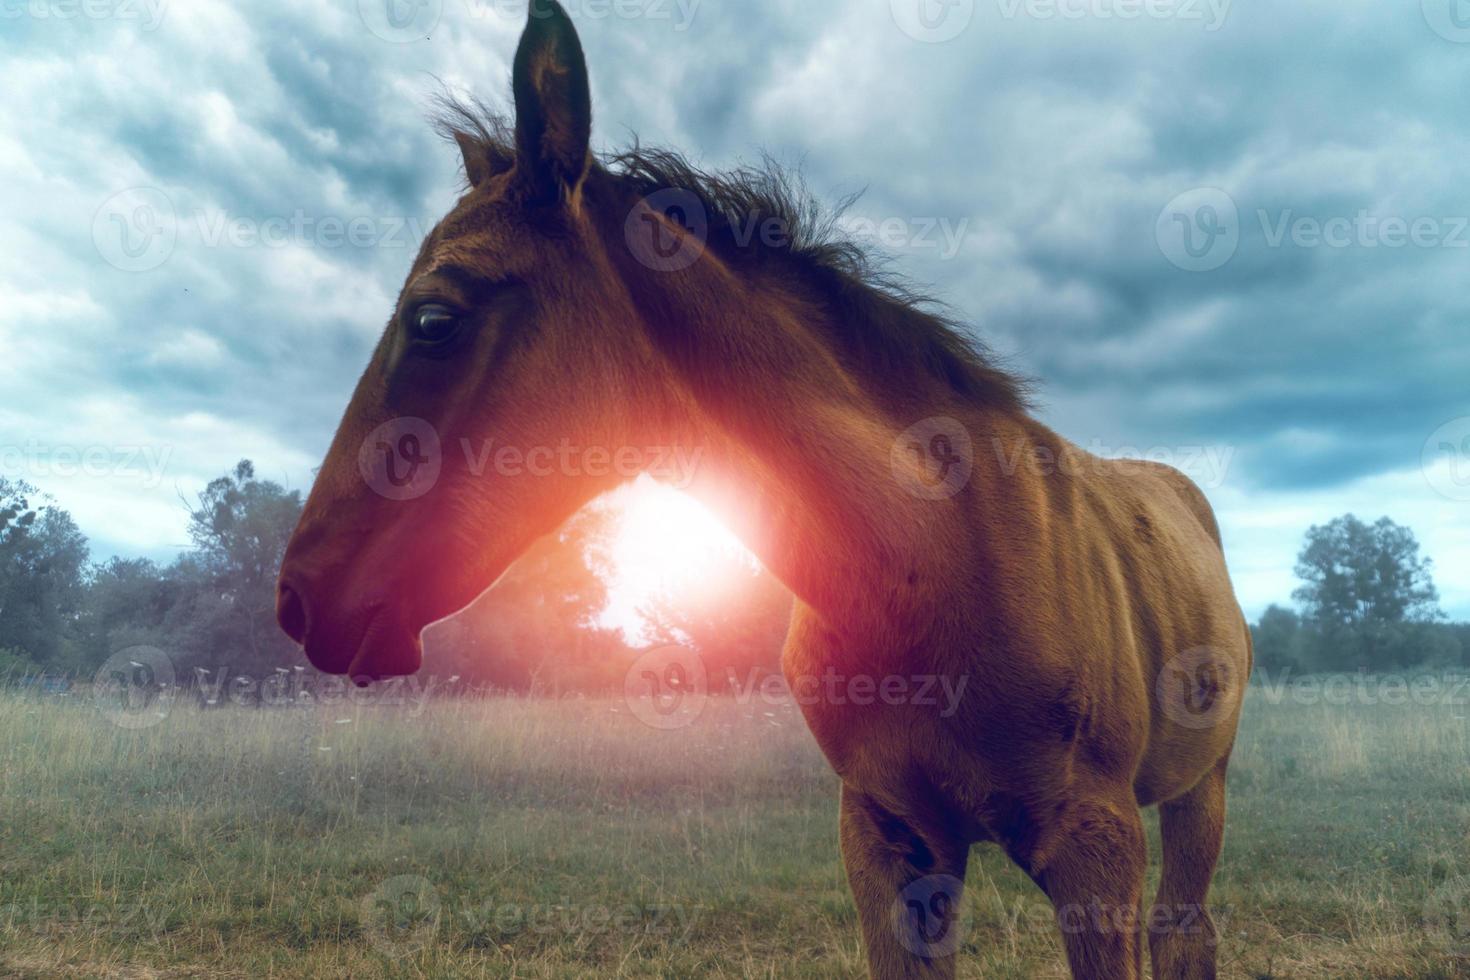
1367,601
212,609
62,613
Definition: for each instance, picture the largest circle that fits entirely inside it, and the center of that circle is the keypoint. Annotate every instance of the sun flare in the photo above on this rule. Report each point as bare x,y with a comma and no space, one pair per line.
666,543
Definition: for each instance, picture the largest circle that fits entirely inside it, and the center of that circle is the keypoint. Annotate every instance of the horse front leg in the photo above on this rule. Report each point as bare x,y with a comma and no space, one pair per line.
1091,861
1182,937
907,878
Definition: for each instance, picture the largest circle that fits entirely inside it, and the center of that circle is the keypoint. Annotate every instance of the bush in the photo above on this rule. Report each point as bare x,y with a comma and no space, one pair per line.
15,665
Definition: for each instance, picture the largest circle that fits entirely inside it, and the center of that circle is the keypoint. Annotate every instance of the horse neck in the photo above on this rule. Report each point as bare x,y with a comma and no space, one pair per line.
797,451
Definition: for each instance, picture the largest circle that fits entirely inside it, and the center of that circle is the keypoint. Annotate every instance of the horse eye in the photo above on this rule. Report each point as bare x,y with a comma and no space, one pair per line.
434,323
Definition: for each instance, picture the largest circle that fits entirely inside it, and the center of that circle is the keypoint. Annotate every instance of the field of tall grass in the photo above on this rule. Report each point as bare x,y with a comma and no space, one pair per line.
516,838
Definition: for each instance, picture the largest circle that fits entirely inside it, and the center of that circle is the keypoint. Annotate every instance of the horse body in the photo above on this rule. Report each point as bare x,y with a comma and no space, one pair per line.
996,637
1059,586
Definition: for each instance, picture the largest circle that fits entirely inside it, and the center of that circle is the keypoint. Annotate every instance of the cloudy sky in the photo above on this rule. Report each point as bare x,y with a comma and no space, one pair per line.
1234,239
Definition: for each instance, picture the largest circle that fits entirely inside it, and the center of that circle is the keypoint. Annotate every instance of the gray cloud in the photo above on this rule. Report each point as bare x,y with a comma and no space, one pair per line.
1054,140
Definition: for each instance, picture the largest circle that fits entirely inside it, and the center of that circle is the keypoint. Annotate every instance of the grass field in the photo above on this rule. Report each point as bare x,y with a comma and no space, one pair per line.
540,839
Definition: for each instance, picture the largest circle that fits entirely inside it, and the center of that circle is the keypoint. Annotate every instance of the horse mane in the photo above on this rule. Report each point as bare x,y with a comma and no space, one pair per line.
763,215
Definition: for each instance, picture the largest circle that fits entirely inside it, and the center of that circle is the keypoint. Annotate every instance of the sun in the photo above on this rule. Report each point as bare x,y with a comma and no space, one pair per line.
666,542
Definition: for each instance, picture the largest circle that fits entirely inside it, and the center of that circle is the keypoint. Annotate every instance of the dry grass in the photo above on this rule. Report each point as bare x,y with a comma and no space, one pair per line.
547,839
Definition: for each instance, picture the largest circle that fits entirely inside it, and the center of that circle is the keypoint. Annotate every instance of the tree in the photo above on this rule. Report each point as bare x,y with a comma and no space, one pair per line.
737,630
1367,595
1460,632
537,629
1355,574
223,611
42,559
1277,639
126,603
241,526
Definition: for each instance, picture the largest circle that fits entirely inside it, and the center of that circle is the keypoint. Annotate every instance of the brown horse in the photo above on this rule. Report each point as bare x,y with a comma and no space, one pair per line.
933,533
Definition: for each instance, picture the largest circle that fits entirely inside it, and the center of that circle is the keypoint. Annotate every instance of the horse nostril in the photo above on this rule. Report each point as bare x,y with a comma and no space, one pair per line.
291,613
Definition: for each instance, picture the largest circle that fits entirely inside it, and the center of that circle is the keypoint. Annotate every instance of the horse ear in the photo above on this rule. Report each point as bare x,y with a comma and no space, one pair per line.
477,163
553,103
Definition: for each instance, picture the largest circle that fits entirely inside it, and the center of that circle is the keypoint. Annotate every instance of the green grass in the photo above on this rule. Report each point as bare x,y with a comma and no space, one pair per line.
551,839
